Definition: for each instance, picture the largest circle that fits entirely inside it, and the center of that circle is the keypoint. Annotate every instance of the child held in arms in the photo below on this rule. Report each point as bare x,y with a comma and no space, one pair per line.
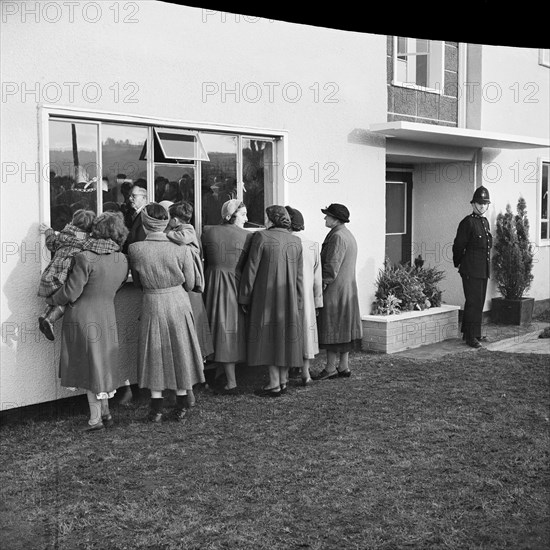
181,232
65,244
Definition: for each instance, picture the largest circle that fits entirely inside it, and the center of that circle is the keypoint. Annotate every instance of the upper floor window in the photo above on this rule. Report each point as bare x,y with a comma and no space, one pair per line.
544,223
544,57
418,63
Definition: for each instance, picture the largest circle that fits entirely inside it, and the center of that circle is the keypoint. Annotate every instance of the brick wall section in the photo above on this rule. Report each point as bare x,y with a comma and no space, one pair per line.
426,107
389,334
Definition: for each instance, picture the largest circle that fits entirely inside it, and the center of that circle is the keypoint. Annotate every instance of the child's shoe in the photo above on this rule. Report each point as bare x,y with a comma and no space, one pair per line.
46,327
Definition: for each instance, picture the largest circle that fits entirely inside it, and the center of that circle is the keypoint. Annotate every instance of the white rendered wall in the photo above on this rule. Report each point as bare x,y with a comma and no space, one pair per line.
162,62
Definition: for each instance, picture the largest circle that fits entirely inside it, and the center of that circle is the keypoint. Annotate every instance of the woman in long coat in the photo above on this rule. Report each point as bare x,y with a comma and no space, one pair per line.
271,292
339,322
169,354
89,340
225,248
313,291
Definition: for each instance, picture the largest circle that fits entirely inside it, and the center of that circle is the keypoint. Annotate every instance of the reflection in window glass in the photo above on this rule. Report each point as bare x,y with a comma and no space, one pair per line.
121,148
219,175
395,207
73,170
544,202
257,178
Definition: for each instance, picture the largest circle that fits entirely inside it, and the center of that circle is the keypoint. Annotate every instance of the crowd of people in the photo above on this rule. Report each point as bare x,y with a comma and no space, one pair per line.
270,298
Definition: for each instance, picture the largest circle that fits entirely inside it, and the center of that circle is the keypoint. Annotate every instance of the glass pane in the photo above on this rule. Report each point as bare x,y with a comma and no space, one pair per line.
544,192
401,45
179,144
422,46
257,179
121,149
218,176
174,184
544,230
422,70
395,207
73,167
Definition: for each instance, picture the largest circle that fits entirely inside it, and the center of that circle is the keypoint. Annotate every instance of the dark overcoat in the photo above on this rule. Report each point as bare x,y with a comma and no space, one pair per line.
339,320
272,289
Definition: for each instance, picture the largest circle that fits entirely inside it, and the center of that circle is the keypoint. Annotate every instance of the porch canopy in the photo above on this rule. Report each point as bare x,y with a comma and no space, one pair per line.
414,142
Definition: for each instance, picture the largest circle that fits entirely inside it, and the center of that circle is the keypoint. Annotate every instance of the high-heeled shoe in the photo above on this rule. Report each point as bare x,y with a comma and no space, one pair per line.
268,392
344,373
93,428
107,420
283,388
306,381
325,375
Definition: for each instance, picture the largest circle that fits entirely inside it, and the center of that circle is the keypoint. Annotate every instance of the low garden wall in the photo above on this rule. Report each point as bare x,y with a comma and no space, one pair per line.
411,329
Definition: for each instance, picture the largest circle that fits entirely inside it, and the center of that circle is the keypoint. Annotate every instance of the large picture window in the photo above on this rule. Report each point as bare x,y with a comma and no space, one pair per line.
418,63
93,165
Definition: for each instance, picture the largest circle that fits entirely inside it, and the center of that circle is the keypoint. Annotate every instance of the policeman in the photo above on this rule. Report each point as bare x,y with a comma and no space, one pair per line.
471,254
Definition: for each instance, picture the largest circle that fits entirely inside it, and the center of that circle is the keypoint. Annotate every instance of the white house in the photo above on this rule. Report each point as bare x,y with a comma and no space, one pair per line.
401,130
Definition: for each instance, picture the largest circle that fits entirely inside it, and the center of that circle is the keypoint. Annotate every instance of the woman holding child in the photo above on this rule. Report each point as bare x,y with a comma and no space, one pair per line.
89,340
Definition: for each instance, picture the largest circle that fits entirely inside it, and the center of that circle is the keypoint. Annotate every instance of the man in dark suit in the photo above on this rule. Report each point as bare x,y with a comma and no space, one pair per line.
138,201
471,254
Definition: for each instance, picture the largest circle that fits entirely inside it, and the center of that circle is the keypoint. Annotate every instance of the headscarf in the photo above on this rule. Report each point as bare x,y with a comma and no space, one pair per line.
166,205
152,224
296,219
278,216
229,208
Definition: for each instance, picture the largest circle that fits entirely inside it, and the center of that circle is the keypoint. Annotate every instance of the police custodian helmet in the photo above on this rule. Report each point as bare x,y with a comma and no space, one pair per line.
481,196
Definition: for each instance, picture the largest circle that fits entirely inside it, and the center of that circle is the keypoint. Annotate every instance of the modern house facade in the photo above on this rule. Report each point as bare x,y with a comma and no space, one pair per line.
204,105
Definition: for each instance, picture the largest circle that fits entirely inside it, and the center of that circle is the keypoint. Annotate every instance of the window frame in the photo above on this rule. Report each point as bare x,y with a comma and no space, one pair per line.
73,114
544,57
539,240
441,69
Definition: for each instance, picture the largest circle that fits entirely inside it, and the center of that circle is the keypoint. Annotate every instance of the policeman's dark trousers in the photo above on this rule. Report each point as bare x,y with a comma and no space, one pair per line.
474,292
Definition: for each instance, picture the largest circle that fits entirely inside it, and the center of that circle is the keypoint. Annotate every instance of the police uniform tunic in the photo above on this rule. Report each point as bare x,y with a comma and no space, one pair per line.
471,254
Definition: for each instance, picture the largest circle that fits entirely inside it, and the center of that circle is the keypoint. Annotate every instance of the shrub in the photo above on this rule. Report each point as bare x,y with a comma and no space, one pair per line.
513,253
406,288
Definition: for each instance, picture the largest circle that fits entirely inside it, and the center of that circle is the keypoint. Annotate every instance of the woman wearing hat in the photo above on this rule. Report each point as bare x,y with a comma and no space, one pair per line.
271,292
471,254
313,290
225,247
169,354
339,322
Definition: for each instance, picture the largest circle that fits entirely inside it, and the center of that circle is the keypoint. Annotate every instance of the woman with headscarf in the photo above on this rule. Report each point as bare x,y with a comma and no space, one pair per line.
313,290
89,342
339,322
271,292
225,247
169,354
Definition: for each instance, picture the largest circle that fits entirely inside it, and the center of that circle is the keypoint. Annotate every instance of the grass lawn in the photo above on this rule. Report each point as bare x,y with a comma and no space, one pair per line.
449,453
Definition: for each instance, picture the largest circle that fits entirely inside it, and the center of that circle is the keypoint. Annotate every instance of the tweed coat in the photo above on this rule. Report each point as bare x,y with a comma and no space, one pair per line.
89,339
472,247
169,353
272,289
339,320
225,249
313,294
